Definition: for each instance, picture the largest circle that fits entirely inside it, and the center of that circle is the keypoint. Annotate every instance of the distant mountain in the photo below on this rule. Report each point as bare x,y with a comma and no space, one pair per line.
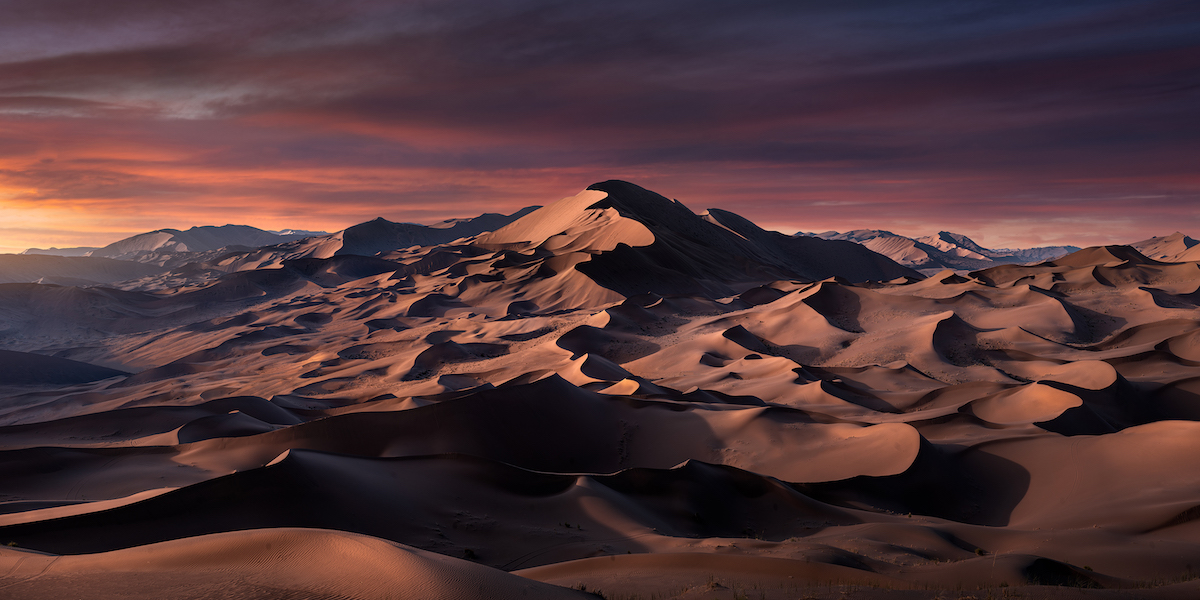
952,242
378,236
957,244
297,232
936,255
372,238
81,251
946,250
160,247
1176,247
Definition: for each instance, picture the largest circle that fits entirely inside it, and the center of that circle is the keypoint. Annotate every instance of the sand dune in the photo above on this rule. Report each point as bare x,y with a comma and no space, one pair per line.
648,243
25,368
277,563
932,253
504,515
611,391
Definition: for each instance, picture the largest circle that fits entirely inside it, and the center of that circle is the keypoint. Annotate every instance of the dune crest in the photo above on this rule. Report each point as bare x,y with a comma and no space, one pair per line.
574,223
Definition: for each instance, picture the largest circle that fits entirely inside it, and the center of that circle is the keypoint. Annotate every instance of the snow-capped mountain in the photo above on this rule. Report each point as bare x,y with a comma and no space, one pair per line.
158,247
946,250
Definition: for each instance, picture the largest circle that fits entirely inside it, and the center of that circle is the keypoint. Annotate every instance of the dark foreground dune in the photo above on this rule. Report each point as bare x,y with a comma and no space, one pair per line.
610,393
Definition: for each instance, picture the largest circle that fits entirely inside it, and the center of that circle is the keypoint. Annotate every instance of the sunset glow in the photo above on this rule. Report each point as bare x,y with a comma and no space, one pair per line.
489,299
1020,124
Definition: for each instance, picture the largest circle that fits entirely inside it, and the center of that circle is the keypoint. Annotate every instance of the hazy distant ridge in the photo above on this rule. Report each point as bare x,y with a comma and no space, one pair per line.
80,251
153,246
69,270
946,250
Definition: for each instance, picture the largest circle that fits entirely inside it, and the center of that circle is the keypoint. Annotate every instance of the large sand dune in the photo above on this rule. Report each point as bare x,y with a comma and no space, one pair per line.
933,253
611,393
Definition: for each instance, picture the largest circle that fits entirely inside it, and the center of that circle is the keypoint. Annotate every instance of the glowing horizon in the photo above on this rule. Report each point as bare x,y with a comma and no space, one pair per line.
1017,125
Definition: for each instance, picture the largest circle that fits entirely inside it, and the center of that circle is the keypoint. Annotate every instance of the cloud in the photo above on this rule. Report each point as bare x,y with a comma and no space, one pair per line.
929,108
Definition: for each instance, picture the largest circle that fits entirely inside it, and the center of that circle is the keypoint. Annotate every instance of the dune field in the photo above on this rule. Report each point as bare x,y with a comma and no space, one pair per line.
608,396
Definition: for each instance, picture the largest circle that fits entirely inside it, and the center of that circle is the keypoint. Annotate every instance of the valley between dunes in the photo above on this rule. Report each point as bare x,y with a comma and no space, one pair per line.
610,393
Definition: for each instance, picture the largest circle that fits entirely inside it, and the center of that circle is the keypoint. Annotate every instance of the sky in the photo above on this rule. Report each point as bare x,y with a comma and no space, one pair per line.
1017,122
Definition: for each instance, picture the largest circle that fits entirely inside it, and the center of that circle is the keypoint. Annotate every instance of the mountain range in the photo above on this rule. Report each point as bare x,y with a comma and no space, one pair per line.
197,256
150,260
171,258
933,253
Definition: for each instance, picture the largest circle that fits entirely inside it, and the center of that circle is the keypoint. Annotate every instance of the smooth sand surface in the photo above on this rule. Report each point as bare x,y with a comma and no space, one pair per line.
272,563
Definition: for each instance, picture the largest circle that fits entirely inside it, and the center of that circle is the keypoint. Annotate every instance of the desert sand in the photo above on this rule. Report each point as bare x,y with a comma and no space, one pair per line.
609,394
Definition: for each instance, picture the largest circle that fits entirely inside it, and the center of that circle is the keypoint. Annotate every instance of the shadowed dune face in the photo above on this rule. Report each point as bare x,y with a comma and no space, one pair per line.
611,377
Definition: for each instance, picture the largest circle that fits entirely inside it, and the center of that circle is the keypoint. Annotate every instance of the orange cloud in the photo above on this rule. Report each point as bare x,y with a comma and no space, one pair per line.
919,115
